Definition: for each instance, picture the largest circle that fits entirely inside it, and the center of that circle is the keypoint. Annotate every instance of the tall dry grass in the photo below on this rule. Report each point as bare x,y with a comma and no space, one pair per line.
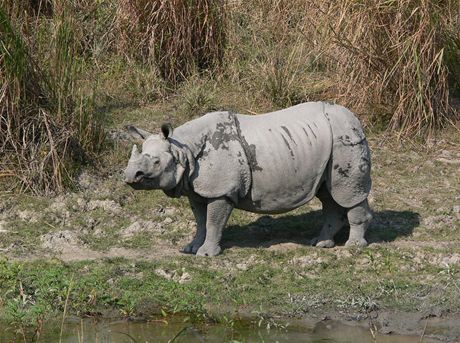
391,58
394,62
54,54
45,131
268,52
178,36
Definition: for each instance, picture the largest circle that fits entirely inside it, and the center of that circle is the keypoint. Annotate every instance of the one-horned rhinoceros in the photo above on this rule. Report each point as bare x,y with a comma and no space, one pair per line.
270,163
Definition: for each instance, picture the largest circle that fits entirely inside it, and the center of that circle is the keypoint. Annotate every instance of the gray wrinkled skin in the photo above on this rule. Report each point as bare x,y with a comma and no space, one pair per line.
270,163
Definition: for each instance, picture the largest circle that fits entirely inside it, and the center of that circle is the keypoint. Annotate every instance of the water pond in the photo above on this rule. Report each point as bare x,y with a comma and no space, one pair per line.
179,329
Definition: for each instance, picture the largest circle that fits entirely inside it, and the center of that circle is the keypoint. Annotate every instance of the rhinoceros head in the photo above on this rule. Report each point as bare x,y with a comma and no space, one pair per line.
155,167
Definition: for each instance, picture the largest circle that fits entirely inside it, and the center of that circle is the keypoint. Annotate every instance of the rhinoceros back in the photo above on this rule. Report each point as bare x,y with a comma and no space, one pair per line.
288,151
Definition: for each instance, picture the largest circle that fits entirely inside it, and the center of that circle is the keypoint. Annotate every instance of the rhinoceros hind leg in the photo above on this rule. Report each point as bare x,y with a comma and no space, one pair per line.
359,218
199,212
218,211
334,217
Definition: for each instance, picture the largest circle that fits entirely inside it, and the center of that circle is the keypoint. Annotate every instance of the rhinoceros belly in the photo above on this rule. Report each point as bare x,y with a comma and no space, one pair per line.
288,151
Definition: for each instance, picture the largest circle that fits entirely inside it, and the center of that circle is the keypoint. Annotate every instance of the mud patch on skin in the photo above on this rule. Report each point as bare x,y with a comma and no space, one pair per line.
345,172
222,135
306,134
313,132
346,140
249,149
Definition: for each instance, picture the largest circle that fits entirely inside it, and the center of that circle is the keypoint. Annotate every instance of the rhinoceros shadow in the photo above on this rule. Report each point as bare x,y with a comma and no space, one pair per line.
268,231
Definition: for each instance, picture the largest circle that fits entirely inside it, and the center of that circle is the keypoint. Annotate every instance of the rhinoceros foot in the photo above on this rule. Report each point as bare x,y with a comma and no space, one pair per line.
208,249
326,243
193,246
361,242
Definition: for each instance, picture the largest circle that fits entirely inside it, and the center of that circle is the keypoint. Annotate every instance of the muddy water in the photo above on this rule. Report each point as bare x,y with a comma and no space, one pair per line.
178,330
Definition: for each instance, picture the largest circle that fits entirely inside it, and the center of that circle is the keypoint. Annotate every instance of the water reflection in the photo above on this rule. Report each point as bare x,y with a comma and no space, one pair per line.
179,330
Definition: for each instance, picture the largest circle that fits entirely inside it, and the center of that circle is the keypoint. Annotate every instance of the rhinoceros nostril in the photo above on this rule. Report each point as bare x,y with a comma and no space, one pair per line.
139,174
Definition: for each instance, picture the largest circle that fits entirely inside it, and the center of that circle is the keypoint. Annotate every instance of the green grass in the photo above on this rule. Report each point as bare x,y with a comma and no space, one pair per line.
364,280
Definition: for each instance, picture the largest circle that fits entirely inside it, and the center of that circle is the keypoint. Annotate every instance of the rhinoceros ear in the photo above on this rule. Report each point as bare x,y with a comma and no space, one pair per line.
167,130
137,133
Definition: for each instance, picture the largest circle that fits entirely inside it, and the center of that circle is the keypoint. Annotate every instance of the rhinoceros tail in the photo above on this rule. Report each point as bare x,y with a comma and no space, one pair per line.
348,174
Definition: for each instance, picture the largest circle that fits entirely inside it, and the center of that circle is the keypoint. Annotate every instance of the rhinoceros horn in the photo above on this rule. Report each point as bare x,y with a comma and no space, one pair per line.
135,153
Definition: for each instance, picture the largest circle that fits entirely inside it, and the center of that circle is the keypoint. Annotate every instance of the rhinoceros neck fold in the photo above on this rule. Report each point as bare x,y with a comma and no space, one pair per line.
182,186
221,165
196,133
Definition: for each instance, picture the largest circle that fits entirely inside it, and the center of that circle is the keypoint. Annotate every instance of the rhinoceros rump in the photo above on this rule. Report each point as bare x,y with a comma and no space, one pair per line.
270,163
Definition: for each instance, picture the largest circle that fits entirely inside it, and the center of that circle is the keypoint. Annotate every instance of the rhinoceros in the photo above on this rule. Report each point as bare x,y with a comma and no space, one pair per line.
268,163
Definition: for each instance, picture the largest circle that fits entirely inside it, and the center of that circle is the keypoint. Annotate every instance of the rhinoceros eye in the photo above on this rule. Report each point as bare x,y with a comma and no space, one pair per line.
156,162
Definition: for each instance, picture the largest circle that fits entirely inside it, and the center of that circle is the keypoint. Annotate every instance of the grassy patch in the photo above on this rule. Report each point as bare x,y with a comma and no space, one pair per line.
260,281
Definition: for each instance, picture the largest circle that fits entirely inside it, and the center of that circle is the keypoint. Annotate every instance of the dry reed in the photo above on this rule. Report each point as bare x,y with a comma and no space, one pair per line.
178,36
396,63
390,59
43,130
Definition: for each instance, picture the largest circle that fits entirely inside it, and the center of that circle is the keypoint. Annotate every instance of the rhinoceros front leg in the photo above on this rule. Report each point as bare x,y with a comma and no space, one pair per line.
359,218
334,217
199,211
218,211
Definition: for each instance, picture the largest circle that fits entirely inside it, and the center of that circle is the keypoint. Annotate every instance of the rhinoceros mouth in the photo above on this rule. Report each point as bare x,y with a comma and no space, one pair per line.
135,185
144,182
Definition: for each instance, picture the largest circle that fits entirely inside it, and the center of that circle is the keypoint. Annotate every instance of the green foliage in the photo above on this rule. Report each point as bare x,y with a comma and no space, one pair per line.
8,273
